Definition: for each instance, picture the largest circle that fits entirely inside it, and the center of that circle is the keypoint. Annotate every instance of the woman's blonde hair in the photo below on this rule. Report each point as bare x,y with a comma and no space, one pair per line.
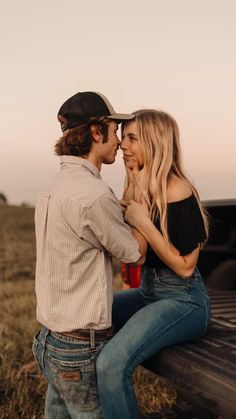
159,137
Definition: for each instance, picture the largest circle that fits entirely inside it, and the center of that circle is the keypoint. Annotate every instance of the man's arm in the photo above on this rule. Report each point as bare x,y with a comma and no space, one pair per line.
105,220
142,246
137,235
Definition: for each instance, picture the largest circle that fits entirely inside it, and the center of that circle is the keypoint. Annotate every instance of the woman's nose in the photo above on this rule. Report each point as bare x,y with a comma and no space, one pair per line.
123,144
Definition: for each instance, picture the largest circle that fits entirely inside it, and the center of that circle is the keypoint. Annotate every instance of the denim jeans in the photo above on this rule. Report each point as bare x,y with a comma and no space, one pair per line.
69,366
166,310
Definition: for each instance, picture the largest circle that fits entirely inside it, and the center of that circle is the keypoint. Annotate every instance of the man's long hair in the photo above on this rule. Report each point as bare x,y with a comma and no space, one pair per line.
78,141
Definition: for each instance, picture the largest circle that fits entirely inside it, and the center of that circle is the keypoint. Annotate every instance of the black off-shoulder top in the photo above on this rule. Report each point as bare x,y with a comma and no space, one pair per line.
185,229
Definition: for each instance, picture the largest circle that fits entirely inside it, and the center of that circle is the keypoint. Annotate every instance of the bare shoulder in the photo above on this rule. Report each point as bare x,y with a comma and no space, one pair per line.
177,190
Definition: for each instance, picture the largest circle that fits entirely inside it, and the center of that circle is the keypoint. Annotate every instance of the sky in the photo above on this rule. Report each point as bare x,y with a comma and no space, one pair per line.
178,56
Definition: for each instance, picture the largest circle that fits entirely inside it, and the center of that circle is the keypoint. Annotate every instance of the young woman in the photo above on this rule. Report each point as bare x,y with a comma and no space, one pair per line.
172,305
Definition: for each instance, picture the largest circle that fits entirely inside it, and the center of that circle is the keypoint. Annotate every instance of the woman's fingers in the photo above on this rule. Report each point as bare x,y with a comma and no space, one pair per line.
132,191
130,176
123,205
136,180
137,194
135,166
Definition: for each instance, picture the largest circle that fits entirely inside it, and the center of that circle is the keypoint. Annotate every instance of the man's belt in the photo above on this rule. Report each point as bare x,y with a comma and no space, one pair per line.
85,334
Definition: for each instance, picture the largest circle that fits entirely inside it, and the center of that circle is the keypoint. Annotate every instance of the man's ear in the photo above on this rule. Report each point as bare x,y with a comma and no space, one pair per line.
96,133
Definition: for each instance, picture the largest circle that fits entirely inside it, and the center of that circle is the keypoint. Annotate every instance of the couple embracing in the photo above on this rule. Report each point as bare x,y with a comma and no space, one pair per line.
91,341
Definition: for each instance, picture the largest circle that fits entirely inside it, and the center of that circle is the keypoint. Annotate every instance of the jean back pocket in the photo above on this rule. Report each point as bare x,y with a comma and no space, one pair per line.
75,380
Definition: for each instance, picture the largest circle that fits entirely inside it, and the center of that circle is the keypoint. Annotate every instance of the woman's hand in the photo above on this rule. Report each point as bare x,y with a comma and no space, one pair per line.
133,190
137,213
128,194
123,205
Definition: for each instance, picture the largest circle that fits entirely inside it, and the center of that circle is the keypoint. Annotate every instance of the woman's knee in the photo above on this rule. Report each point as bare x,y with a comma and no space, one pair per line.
110,363
104,362
101,364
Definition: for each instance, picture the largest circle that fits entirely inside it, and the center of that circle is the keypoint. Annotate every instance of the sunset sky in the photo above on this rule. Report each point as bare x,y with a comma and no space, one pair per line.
178,56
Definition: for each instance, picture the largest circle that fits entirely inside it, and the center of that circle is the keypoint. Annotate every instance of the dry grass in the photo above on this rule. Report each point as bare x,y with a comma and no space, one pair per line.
22,388
153,393
17,245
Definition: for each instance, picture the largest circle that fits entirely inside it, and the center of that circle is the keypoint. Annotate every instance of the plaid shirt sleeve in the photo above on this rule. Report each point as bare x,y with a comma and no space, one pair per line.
105,220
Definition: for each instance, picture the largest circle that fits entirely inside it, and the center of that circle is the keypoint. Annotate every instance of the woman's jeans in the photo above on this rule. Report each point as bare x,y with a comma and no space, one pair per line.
69,366
166,310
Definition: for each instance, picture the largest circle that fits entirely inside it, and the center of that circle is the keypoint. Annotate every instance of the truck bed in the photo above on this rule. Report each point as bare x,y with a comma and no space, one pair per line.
205,370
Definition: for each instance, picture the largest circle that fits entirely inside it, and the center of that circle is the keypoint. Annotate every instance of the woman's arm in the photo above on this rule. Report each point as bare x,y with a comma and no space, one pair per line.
137,216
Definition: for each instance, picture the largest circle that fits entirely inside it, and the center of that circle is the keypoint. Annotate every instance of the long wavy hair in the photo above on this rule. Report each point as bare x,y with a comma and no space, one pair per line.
159,137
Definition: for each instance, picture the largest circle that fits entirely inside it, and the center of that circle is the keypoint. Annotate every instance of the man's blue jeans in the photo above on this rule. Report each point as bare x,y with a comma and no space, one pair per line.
165,311
69,366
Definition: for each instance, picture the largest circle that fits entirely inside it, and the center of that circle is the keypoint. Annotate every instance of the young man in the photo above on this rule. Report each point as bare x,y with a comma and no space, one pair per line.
79,227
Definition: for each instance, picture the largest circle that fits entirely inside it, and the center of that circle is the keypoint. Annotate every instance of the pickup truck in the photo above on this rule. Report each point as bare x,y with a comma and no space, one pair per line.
205,371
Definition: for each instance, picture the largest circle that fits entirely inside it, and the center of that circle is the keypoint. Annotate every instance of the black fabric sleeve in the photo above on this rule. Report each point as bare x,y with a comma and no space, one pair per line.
185,225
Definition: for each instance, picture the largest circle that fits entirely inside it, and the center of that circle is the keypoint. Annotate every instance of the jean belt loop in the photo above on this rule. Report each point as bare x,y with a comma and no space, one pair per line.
92,338
43,335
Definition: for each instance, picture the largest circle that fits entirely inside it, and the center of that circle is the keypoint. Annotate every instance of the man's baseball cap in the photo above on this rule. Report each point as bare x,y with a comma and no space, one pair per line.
85,107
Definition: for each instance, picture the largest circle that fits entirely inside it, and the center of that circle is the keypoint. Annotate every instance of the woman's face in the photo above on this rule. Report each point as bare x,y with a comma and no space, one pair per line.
131,146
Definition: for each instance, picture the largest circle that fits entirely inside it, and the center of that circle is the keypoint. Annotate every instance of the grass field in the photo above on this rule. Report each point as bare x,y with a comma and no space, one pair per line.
22,387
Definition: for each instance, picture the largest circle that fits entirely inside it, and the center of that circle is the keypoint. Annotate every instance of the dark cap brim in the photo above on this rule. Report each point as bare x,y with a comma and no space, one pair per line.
121,116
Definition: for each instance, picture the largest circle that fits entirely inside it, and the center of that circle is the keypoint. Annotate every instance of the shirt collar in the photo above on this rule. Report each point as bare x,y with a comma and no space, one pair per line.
73,160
